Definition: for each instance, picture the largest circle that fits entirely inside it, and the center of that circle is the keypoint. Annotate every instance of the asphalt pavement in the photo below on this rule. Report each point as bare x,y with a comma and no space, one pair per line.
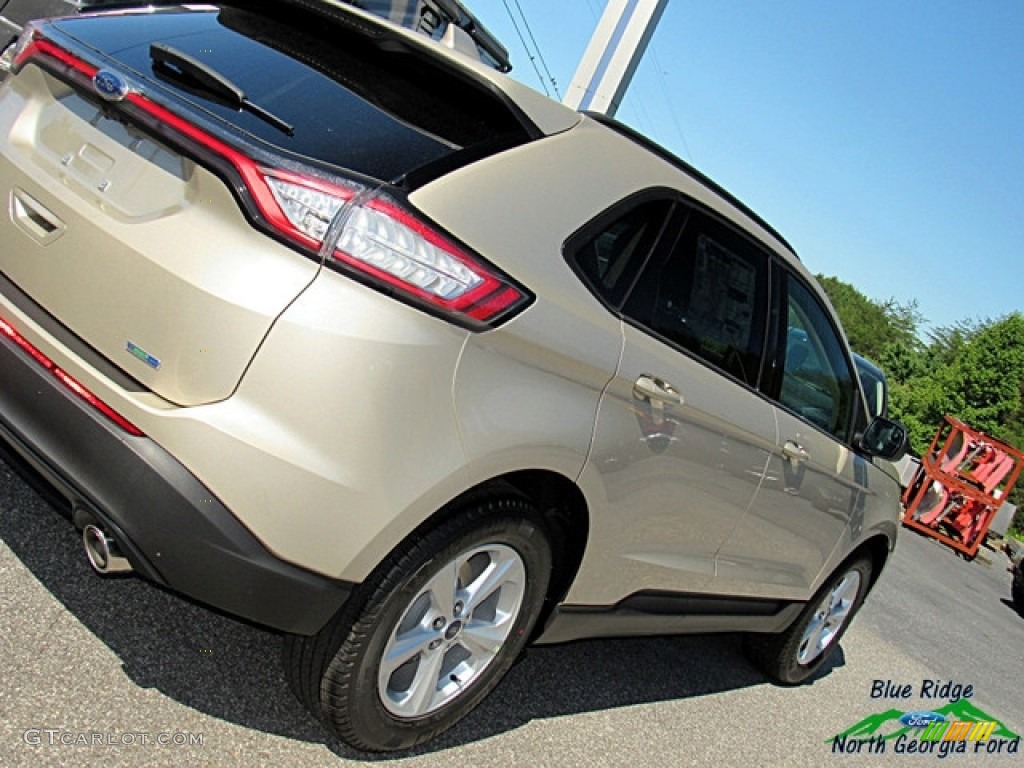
116,672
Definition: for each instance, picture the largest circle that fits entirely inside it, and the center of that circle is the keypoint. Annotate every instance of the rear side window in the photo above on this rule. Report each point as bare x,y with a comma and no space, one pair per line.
609,255
708,296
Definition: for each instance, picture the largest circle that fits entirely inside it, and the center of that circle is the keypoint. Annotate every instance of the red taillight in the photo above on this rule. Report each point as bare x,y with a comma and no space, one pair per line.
389,243
381,241
391,246
69,382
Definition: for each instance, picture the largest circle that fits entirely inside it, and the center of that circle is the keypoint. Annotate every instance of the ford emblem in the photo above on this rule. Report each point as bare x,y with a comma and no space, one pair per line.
109,85
921,718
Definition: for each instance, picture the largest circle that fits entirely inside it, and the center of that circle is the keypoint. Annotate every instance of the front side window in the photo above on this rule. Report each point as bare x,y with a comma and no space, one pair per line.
709,297
817,383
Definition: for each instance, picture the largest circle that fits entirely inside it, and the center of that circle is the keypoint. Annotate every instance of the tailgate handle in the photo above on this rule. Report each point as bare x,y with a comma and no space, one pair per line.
34,218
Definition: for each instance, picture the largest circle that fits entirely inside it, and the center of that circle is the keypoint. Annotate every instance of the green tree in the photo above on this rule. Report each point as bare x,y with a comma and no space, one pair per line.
974,372
874,327
1014,426
990,371
948,341
973,369
903,361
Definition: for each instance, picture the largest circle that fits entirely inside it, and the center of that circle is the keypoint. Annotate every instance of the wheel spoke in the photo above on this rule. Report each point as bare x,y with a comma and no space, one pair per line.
424,685
820,640
847,589
485,639
809,647
839,614
443,587
501,571
404,648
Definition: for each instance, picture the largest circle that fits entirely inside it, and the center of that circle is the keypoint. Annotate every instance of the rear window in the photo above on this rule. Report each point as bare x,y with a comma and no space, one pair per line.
355,101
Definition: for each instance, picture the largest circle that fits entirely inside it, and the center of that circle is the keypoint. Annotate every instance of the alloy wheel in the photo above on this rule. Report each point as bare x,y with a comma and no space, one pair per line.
829,618
452,630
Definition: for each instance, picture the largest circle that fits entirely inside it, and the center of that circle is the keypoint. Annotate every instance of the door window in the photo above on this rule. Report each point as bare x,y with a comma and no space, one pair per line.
817,383
708,297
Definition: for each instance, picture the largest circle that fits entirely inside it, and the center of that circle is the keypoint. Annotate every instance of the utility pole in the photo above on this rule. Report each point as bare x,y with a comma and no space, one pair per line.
614,52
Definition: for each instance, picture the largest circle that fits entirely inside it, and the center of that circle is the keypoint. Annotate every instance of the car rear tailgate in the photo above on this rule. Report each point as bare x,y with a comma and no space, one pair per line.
139,198
145,255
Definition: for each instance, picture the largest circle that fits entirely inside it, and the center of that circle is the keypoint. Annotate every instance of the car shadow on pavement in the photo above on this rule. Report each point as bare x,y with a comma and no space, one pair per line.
593,675
231,670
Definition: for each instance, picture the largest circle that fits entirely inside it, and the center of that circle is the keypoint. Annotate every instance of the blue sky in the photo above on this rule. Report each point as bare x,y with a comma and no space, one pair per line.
885,140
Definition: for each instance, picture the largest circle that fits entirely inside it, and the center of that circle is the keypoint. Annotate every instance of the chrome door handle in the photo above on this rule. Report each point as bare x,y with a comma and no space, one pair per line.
795,452
648,387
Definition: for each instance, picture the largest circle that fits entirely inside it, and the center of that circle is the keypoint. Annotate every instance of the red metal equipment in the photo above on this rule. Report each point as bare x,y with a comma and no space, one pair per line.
964,478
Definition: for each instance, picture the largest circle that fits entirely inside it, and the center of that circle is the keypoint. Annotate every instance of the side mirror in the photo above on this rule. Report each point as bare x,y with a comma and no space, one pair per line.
885,439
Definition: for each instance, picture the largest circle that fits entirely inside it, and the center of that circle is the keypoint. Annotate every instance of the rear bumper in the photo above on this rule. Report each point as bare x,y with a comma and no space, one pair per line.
167,523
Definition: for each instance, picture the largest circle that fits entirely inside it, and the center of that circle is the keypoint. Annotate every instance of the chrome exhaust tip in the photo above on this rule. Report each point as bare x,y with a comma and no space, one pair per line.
102,551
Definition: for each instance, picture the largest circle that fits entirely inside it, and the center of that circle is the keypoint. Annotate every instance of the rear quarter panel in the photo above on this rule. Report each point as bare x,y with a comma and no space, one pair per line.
526,394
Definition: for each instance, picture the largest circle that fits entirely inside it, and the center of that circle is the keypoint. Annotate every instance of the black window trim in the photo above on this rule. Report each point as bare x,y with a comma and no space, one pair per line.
695,206
671,230
769,379
611,214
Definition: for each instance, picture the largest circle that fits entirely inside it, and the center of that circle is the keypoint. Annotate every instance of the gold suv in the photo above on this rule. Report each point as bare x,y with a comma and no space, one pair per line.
342,332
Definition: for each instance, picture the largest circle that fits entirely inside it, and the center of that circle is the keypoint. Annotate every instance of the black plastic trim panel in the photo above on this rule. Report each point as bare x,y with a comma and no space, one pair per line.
668,613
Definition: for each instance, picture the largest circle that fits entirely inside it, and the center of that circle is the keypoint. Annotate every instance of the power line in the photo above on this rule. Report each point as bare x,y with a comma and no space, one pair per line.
643,118
668,100
526,48
543,63
636,101
639,107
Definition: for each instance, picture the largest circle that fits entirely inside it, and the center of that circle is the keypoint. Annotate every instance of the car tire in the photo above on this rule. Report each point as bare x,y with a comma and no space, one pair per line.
1017,591
794,655
431,632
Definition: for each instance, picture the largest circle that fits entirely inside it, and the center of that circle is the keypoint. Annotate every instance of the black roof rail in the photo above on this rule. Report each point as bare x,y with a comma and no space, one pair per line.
689,170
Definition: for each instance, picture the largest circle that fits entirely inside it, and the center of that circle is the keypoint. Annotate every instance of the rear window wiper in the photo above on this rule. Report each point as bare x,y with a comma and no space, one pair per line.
186,71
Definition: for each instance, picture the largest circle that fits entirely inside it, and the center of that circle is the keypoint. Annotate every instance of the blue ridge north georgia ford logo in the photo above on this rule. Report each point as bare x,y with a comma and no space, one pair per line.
110,85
